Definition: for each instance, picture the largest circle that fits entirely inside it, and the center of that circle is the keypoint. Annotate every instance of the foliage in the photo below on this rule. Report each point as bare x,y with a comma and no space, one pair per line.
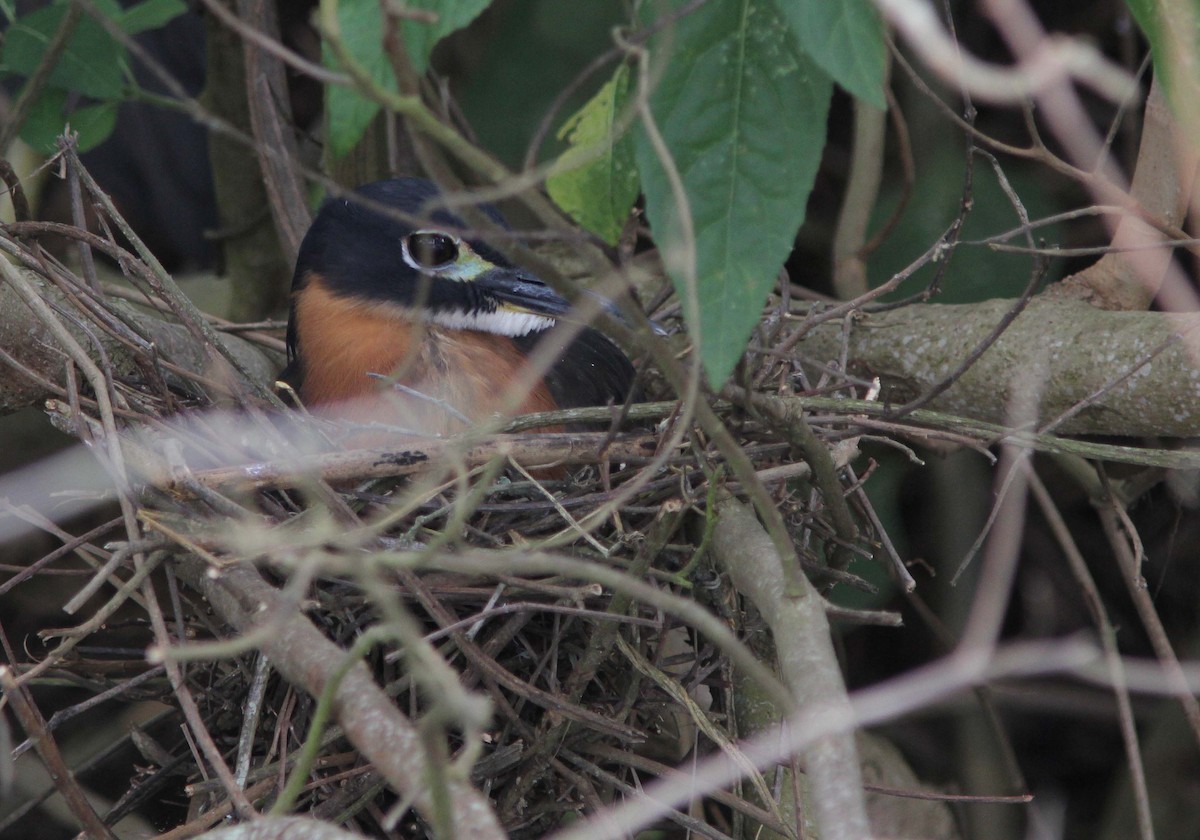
596,181
90,77
411,639
734,94
362,30
740,91
1173,31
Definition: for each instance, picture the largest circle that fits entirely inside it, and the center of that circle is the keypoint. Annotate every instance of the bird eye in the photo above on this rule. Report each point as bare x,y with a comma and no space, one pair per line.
431,249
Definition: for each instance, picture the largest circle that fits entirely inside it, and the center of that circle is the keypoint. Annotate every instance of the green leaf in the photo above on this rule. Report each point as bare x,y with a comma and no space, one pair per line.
94,123
595,181
362,31
348,112
1172,46
743,113
90,64
47,120
845,38
150,14
421,37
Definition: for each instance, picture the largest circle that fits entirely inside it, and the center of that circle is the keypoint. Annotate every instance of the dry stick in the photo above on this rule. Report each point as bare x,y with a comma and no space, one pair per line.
628,790
308,660
904,577
685,609
129,263
673,688
1064,111
77,216
791,418
807,664
1107,192
1108,642
1040,266
116,462
640,762
219,812
35,727
191,711
586,448
70,545
553,728
267,95
502,676
1127,561
166,287
858,202
884,701
16,193
275,828
251,715
272,46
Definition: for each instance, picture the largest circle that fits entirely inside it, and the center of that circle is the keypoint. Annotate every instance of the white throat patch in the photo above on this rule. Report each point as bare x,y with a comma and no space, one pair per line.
501,322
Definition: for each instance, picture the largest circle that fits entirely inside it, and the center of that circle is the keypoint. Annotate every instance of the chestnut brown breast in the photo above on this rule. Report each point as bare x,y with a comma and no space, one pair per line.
458,374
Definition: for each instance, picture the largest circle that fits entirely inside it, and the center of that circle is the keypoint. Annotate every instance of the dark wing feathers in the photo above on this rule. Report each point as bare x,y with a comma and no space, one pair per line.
591,371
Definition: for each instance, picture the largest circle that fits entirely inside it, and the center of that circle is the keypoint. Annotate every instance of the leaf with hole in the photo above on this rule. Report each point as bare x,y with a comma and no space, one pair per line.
595,180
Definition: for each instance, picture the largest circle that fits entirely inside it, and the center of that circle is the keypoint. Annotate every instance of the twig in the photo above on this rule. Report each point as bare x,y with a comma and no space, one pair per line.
35,86
304,657
1108,641
1056,60
64,780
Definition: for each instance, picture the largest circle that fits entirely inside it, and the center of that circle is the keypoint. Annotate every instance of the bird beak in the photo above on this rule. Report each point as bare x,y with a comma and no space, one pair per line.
521,290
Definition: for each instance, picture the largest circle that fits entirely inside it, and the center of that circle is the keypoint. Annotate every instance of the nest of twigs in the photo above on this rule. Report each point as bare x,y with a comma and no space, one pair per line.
397,641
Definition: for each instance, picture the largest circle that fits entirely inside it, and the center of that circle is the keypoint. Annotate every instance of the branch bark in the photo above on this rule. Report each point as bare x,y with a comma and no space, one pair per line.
807,664
29,342
1129,275
1084,351
254,261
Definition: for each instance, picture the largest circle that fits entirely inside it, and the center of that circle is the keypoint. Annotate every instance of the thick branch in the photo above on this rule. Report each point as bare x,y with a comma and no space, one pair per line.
806,660
29,342
1129,276
1083,351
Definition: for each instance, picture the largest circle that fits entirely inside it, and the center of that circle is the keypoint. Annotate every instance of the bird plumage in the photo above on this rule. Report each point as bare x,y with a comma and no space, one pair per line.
397,318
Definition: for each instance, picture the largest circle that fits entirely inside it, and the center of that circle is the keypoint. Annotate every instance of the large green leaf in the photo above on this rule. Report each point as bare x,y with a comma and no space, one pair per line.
348,112
595,181
420,37
1173,29
90,64
743,114
845,37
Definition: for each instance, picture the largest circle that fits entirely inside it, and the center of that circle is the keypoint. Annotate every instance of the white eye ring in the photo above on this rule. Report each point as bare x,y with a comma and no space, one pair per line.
430,250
